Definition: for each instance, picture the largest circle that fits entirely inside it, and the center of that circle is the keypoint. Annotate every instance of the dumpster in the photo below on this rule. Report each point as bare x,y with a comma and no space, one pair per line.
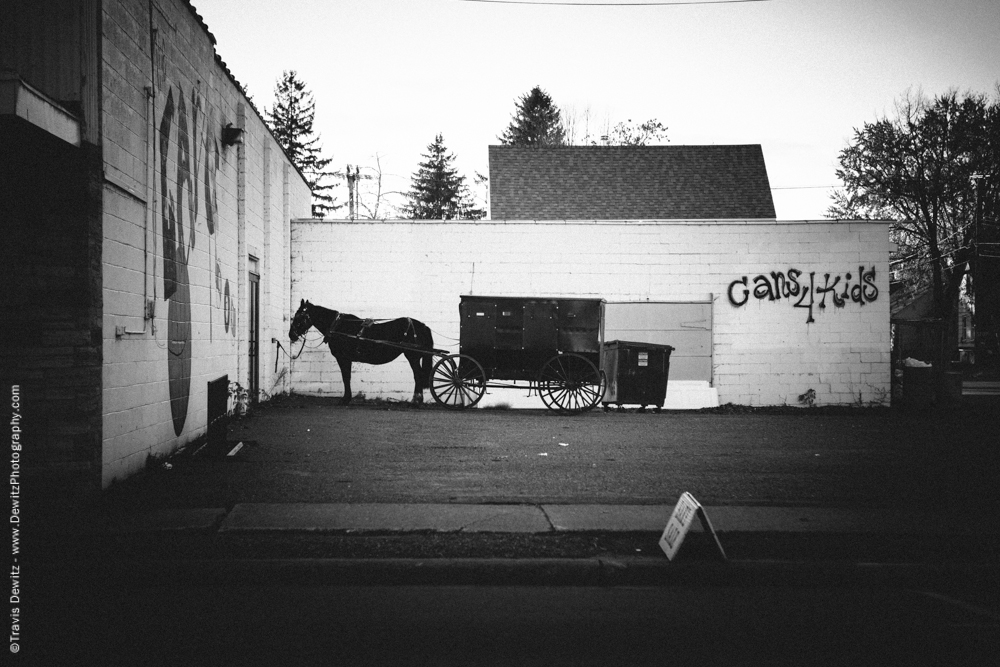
635,373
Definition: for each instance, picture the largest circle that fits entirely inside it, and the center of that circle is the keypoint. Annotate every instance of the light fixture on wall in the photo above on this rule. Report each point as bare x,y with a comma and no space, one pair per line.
232,135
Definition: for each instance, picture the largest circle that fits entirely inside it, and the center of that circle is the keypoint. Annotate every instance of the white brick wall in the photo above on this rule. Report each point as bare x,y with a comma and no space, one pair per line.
765,352
136,391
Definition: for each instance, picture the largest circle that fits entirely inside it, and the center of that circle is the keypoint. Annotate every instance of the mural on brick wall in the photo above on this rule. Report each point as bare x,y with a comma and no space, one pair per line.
803,293
194,153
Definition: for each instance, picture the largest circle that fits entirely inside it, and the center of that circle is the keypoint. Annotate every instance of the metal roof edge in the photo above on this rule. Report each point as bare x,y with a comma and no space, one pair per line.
633,222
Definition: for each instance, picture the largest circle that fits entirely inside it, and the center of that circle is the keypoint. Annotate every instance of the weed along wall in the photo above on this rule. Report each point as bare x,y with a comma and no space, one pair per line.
195,233
795,305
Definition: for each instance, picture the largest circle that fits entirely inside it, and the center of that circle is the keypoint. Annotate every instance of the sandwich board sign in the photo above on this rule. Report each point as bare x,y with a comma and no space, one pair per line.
680,521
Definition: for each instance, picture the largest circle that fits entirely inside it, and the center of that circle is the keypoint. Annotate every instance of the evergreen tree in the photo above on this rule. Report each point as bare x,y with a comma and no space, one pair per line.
291,121
437,191
536,122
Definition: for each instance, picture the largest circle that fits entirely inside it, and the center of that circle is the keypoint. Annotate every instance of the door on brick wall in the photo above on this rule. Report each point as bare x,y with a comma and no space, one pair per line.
254,338
684,325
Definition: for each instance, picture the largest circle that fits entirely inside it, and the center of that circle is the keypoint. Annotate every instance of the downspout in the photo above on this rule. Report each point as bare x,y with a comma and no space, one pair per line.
150,304
149,213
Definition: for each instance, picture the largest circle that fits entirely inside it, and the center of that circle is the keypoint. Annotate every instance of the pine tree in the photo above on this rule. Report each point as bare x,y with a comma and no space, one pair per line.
536,122
291,121
437,191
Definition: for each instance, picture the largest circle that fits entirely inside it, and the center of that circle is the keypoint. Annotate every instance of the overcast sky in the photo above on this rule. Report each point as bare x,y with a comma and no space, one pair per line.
796,76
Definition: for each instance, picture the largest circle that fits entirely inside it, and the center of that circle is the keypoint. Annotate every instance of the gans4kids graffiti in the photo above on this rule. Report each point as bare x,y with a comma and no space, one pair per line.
807,292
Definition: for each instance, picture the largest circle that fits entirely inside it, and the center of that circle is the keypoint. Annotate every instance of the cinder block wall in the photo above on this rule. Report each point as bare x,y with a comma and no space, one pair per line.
50,256
183,214
50,338
770,347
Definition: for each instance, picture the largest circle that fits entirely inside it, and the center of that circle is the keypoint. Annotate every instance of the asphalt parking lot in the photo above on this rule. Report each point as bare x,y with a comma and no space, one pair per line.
312,450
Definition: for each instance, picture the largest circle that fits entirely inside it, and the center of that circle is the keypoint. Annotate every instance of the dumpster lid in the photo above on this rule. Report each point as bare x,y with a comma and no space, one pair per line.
630,343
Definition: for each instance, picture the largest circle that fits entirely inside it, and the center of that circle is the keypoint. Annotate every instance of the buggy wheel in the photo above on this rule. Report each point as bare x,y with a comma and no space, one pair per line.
457,381
570,384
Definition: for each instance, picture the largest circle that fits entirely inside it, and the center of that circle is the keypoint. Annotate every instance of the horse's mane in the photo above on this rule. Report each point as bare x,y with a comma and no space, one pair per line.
320,308
324,311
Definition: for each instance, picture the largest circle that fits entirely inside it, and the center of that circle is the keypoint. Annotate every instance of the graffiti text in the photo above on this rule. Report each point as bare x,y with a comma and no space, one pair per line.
806,291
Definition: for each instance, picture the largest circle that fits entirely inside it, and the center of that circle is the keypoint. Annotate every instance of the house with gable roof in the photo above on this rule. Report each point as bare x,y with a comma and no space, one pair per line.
629,183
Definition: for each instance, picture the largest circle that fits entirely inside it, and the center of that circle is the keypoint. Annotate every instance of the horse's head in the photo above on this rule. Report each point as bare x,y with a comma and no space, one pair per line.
301,322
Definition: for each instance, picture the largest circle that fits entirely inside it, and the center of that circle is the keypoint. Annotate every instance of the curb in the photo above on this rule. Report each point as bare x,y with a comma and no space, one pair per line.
514,572
534,519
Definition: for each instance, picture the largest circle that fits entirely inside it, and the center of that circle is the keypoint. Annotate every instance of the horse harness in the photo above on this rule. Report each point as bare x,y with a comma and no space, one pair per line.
332,330
359,337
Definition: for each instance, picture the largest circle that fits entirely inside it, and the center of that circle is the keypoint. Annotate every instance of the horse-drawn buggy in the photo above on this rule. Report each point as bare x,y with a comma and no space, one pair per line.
553,344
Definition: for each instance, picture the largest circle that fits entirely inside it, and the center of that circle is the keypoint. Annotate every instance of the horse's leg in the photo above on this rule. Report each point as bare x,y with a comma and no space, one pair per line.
419,381
345,374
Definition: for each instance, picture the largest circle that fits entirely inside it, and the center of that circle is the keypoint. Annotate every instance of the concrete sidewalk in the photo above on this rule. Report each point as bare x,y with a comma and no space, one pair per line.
256,524
541,519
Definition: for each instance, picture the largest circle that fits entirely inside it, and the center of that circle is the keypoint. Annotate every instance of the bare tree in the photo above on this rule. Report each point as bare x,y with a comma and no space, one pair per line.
374,201
583,127
934,170
631,134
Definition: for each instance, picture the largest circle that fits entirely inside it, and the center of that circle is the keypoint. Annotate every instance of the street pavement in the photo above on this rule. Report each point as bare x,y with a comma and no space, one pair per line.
276,623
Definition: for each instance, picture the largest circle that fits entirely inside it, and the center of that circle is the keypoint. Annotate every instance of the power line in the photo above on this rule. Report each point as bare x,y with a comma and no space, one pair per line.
805,187
613,4
921,262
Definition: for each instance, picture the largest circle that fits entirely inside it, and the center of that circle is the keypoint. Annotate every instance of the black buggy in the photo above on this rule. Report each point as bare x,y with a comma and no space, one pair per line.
552,343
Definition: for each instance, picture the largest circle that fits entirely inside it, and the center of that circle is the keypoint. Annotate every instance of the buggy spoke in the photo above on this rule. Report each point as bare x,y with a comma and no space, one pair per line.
448,393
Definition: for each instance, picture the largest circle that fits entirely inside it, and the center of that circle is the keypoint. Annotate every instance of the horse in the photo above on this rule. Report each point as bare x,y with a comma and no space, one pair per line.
352,338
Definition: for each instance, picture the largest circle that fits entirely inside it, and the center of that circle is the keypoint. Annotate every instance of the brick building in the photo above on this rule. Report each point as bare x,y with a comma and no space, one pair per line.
145,210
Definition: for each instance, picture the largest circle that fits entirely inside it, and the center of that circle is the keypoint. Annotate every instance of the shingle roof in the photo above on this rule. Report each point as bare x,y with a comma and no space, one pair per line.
629,183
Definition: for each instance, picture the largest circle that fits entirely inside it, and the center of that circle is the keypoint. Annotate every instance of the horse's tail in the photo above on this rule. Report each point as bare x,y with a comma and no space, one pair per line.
425,339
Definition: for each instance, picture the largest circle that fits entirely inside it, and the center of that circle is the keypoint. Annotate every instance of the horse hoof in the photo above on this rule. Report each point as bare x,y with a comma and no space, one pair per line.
345,401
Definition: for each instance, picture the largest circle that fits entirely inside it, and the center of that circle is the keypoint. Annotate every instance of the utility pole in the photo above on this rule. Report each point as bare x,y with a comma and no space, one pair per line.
352,180
353,196
978,180
977,273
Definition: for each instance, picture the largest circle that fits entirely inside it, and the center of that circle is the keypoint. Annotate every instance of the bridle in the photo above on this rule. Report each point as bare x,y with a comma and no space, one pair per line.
308,321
